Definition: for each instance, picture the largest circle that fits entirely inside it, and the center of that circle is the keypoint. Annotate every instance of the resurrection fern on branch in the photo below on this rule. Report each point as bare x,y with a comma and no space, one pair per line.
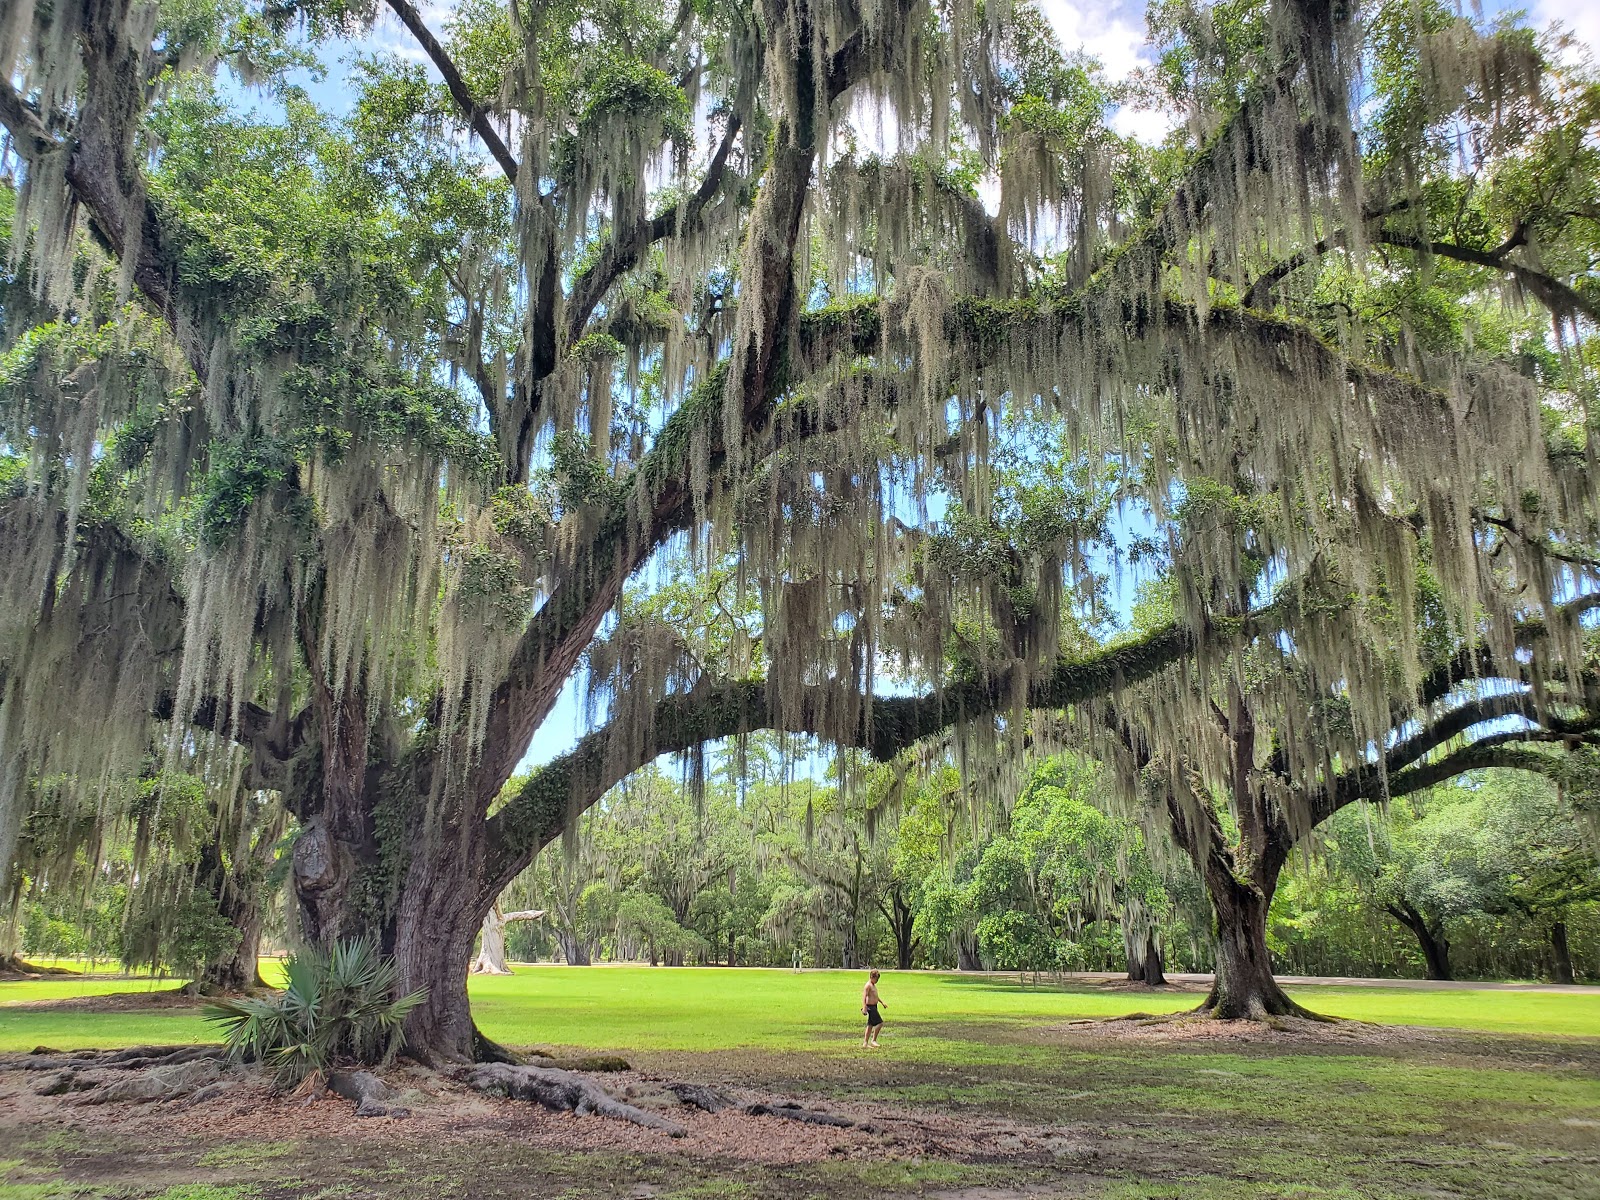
338,1006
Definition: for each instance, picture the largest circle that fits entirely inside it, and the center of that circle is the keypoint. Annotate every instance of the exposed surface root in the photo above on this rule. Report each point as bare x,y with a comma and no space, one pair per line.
720,1120
1275,1007
139,1074
699,1095
159,1084
371,1094
588,1063
14,966
715,1100
564,1091
134,1058
793,1112
486,1050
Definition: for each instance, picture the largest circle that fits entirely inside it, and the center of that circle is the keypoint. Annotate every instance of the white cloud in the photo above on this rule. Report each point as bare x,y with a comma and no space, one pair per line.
1118,44
1148,125
1580,18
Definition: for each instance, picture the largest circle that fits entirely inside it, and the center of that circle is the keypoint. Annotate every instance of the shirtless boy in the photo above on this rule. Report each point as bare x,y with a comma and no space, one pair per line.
869,1006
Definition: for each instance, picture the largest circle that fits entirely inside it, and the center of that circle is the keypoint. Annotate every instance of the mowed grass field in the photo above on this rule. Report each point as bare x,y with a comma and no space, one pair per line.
711,1008
1506,1109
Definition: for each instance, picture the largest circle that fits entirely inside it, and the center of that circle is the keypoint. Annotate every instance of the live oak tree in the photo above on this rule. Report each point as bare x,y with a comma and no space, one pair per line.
1508,845
339,441
1243,765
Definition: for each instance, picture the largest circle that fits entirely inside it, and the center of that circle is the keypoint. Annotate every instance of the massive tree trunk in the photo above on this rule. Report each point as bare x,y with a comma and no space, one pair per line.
1244,987
1561,952
238,883
239,969
967,956
380,856
902,923
1240,878
573,948
904,940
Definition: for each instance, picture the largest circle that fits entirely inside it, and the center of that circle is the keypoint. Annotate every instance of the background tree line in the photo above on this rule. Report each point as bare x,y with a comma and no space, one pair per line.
1491,876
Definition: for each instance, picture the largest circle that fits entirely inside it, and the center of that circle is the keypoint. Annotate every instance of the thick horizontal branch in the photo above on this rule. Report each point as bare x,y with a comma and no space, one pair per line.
558,792
1407,768
1507,751
271,740
979,329
1476,660
1558,296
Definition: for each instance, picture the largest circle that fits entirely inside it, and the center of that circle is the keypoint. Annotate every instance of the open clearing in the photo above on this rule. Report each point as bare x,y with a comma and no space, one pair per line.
983,1090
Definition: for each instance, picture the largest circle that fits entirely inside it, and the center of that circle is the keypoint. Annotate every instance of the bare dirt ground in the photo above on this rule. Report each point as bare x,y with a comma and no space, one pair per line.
114,1002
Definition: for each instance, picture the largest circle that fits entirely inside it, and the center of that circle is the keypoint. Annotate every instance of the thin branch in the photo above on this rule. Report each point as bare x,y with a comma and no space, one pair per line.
622,253
477,116
1561,298
1544,548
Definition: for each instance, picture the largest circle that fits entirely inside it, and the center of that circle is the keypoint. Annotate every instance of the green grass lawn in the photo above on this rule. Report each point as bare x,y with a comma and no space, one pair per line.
1513,1114
710,1008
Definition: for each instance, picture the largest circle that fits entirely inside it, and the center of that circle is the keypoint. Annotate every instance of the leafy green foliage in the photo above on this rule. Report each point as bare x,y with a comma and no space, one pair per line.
337,1006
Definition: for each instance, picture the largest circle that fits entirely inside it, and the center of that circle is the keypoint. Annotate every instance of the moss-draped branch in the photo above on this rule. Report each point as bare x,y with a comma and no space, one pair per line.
887,726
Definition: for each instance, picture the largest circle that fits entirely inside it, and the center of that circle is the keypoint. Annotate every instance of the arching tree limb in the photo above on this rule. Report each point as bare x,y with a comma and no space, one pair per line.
558,792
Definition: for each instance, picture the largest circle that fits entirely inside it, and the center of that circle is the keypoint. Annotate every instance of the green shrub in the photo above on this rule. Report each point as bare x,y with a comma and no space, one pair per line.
338,1007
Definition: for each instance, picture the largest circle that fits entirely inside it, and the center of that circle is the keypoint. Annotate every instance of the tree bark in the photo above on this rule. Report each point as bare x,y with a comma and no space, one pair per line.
905,942
239,970
573,948
848,954
967,957
1562,953
902,923
435,922
238,888
1240,878
1244,987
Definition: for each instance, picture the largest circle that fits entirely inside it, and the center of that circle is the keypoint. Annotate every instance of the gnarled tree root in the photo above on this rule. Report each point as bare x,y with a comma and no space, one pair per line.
793,1112
562,1091
134,1058
16,965
1268,1013
699,1095
158,1084
371,1094
715,1100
